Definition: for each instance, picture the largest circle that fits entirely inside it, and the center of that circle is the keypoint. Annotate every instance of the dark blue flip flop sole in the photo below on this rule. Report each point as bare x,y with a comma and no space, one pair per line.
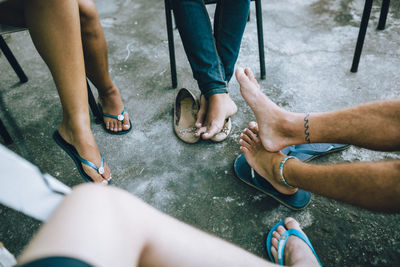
297,201
71,150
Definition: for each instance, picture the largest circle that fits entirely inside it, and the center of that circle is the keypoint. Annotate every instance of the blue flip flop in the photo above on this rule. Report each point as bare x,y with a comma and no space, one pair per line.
245,173
120,118
73,153
282,242
308,152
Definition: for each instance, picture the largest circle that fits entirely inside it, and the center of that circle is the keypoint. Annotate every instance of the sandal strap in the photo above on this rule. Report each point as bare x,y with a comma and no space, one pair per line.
99,169
298,149
285,236
120,117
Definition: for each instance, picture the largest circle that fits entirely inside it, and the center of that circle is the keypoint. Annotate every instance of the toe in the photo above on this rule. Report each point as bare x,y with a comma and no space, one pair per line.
251,76
107,173
241,76
280,230
245,144
246,139
274,253
126,123
253,126
212,130
292,223
250,135
200,131
108,125
119,126
244,150
276,235
202,112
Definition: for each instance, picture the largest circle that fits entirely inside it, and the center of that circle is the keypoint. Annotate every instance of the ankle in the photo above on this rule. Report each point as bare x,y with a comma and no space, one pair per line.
75,127
292,125
108,91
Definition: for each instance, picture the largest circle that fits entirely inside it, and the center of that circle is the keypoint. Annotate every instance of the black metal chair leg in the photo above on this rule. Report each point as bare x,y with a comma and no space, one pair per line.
361,35
383,16
4,133
171,47
93,105
12,60
260,34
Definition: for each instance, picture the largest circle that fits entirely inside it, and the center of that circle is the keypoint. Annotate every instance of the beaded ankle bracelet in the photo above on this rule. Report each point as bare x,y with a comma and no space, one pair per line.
281,170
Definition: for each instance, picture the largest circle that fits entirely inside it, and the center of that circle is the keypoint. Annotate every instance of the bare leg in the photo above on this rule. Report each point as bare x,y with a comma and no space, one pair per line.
106,226
371,185
375,125
96,62
62,52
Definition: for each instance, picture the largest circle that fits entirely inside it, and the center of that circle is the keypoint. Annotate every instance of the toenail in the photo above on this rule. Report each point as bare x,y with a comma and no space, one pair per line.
126,126
104,182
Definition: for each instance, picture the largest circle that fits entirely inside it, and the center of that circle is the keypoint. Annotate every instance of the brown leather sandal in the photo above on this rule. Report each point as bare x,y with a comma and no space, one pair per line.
185,115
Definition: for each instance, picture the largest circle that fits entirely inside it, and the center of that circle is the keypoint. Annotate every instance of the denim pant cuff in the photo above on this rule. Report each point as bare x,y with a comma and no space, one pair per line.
215,91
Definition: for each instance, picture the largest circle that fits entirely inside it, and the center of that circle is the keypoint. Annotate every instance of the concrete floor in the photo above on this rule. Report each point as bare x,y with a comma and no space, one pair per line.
309,46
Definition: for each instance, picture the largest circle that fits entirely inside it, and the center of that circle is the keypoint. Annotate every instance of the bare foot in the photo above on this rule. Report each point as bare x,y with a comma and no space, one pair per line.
84,142
213,113
111,103
278,127
262,161
297,252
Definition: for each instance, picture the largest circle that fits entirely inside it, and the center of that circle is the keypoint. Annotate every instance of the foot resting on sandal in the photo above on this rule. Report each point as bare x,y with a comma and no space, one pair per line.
83,142
262,161
111,103
213,113
295,252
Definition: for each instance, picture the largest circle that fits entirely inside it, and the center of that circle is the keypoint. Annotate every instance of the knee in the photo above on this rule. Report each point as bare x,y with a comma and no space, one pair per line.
88,14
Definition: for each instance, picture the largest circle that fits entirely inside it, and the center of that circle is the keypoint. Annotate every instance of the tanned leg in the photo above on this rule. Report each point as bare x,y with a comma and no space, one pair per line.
55,30
122,230
371,185
374,125
96,62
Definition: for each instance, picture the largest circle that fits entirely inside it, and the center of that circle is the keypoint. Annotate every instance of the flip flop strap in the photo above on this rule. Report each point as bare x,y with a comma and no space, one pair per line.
119,117
100,169
285,236
255,181
309,151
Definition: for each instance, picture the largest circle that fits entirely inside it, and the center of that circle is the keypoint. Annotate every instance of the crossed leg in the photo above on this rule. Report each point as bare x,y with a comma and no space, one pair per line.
372,185
105,226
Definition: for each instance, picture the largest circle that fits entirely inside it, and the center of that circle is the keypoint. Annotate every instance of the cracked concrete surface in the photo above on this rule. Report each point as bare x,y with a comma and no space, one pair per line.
309,47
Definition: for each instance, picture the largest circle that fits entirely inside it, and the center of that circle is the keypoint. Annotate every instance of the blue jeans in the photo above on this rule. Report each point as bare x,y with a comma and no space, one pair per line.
212,57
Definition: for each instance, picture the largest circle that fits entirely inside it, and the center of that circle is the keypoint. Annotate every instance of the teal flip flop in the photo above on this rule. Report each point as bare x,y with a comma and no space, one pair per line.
282,242
308,152
120,118
73,153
